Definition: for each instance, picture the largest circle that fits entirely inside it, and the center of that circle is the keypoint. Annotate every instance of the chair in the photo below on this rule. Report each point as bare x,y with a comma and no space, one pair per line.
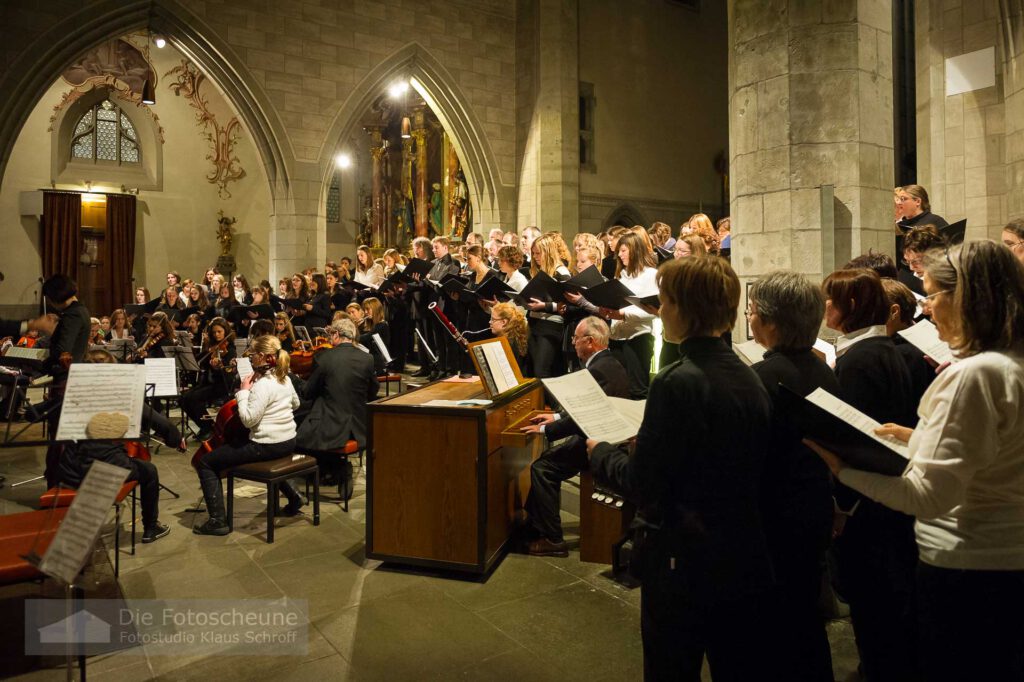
61,497
345,483
387,380
272,473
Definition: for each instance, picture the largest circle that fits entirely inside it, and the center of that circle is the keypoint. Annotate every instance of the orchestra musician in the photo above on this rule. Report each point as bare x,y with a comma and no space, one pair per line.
342,383
284,332
76,459
266,401
543,527
374,323
119,328
217,360
159,335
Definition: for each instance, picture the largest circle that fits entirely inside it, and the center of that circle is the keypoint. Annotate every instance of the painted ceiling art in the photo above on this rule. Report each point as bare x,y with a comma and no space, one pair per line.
118,65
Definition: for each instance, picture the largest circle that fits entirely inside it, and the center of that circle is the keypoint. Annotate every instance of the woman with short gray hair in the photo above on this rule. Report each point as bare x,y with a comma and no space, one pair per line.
785,312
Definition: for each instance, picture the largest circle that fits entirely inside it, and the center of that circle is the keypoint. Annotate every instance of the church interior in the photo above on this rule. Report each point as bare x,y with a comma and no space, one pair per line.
144,138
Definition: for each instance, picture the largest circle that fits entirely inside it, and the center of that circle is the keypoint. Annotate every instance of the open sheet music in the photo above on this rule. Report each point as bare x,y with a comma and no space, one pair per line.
244,367
750,352
827,352
496,366
72,545
925,336
845,430
582,398
162,373
382,348
97,388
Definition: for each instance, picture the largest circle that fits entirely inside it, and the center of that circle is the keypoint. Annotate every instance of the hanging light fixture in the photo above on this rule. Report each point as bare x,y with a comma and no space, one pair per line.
406,128
148,87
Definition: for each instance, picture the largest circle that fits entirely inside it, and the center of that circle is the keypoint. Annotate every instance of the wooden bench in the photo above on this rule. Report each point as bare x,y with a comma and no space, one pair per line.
61,497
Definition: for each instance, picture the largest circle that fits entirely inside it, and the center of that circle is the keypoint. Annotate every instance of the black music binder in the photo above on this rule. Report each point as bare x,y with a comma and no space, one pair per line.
241,312
611,294
417,266
144,308
857,449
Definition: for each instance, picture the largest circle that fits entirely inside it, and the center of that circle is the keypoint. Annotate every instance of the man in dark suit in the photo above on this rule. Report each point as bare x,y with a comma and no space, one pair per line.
446,347
342,382
565,460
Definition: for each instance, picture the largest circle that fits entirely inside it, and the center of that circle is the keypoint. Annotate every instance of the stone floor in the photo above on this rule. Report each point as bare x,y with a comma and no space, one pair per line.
533,619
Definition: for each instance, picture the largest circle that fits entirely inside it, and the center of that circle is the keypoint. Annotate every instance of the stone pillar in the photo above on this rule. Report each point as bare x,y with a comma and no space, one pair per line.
298,226
377,152
810,104
422,198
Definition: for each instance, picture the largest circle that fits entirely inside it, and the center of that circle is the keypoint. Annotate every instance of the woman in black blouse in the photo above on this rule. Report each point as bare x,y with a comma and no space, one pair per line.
318,309
785,312
876,552
695,473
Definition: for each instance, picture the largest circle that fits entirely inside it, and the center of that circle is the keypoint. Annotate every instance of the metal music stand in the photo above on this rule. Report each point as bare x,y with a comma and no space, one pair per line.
121,349
430,353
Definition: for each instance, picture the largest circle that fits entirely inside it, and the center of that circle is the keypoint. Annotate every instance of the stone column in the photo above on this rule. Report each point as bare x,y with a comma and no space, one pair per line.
377,152
422,199
298,226
810,104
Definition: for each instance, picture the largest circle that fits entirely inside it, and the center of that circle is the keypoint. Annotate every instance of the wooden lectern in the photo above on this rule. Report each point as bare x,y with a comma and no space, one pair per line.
442,485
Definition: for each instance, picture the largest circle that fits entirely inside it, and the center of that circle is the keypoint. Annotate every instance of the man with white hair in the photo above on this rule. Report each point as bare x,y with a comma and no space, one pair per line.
565,460
342,383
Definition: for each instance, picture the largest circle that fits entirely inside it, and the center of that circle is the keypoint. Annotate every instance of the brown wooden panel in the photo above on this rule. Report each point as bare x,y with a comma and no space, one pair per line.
425,486
499,418
439,390
601,526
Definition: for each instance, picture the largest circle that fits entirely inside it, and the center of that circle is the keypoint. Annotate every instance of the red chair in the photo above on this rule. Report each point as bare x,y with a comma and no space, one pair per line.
387,380
344,452
21,534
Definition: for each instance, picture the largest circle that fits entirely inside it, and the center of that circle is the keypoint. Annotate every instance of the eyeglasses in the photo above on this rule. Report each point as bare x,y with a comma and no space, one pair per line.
1012,245
929,297
580,338
913,261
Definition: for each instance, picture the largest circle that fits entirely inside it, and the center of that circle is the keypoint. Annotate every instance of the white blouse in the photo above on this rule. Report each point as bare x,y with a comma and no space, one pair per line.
268,410
371,277
637,321
965,481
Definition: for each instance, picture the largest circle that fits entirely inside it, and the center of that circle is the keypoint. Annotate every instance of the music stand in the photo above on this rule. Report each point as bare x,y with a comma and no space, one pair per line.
121,349
430,353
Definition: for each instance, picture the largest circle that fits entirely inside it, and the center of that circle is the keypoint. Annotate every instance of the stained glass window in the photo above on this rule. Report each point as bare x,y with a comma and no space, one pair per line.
104,133
334,199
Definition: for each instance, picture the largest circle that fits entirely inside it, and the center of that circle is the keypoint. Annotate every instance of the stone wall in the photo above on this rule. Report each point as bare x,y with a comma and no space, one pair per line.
969,144
810,105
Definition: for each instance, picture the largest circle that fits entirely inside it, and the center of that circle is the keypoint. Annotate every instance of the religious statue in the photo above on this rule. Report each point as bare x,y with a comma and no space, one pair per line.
462,212
404,224
435,209
366,221
225,232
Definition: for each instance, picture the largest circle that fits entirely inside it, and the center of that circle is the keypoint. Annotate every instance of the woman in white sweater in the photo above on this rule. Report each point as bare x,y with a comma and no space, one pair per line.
632,336
965,480
266,403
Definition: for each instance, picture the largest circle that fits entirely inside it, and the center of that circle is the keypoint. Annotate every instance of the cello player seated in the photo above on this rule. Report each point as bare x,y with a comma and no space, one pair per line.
266,400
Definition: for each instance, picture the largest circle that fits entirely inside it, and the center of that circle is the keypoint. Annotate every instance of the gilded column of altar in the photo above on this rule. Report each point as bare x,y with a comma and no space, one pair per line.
419,134
377,151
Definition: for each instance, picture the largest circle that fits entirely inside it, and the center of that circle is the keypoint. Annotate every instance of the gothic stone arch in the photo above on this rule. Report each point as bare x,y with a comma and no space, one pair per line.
451,106
28,77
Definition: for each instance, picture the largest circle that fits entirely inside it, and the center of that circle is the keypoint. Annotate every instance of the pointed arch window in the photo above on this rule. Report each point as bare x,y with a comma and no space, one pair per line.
104,134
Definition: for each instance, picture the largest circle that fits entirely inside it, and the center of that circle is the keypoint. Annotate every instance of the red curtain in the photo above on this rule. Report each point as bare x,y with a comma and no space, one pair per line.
119,250
62,233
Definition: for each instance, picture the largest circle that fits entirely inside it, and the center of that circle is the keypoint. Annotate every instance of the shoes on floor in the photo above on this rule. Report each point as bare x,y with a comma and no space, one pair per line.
544,547
421,374
154,533
212,527
204,434
294,507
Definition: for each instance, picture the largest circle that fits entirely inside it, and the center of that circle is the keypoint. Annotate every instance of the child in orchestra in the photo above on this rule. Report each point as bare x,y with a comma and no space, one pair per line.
284,332
76,459
217,361
159,335
266,401
95,332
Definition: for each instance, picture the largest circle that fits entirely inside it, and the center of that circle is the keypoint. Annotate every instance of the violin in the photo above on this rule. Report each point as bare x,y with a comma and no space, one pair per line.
148,344
228,429
302,359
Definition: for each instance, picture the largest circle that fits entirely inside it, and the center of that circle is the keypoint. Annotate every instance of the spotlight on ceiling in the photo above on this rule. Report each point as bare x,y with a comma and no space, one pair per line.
343,160
160,42
398,89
